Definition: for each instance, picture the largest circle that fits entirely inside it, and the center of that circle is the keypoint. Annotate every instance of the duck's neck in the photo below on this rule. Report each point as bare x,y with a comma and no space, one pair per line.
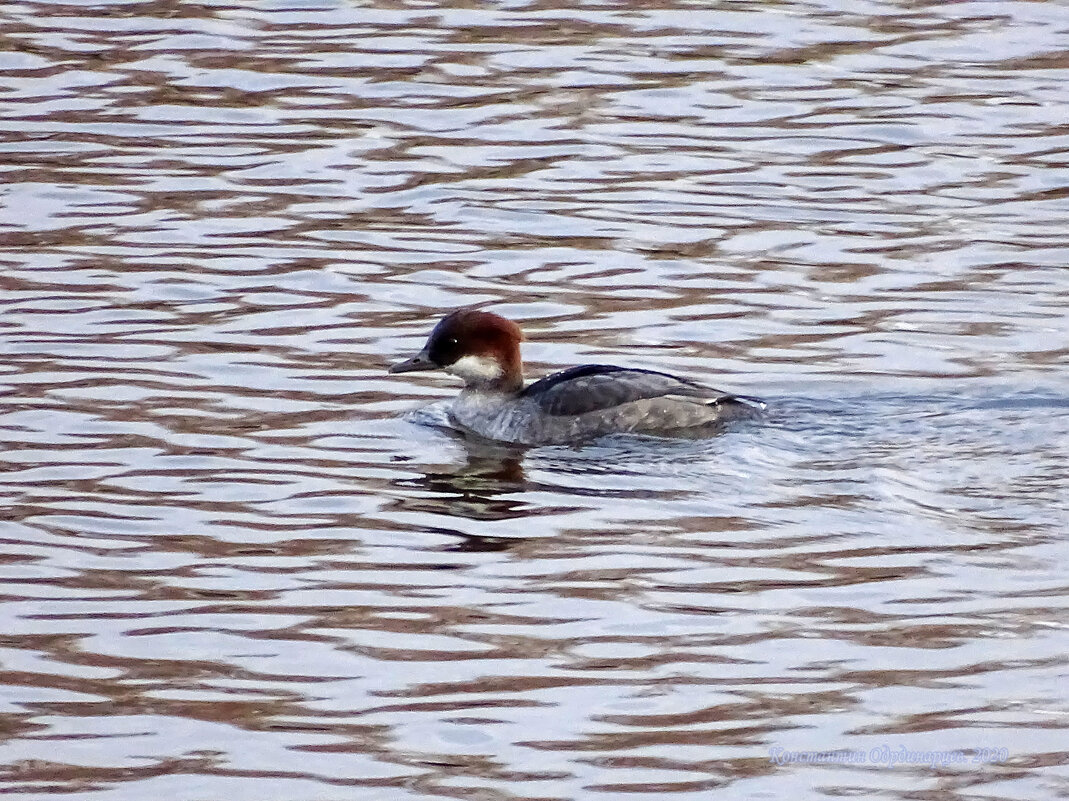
488,374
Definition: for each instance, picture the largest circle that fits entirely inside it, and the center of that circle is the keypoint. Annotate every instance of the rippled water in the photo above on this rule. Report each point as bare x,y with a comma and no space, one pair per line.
233,568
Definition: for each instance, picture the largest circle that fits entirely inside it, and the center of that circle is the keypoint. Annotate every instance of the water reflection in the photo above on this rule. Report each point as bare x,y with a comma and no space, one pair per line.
485,486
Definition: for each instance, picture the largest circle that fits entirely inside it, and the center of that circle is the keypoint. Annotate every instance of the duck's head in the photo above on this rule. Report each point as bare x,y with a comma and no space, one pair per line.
479,347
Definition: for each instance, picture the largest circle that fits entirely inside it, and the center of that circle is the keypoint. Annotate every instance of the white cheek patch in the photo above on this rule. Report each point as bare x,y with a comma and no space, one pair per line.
475,369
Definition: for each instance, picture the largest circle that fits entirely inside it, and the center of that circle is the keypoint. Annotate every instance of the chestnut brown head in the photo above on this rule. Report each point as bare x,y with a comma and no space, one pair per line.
480,347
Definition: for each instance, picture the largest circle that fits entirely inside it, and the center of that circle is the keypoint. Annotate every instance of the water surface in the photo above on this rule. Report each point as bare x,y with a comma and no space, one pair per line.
233,568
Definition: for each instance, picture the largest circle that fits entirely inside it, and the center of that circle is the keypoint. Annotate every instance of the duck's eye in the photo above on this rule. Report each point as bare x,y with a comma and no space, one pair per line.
452,342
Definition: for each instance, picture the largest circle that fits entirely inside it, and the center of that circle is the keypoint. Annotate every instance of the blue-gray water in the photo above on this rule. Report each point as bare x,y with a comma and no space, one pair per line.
234,568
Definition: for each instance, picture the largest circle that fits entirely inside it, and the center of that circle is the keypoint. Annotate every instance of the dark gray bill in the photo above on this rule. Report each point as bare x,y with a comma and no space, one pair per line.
417,362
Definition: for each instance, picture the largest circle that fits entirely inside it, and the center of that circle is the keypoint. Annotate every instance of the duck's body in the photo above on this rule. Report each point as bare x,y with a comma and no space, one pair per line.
591,401
570,406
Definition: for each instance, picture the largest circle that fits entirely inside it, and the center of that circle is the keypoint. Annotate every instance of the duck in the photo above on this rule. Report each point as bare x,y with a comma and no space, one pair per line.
578,404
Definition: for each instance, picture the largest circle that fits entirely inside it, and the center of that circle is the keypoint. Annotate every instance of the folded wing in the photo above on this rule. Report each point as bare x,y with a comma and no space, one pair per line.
596,387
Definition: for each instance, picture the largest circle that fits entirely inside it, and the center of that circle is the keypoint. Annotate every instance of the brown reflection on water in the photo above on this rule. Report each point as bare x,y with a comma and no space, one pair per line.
233,568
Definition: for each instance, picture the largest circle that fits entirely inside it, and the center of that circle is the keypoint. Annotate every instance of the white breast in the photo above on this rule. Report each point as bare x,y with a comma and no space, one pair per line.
493,415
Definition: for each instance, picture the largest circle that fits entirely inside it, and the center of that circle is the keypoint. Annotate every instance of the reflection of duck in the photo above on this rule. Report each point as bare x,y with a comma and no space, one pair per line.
483,349
470,489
